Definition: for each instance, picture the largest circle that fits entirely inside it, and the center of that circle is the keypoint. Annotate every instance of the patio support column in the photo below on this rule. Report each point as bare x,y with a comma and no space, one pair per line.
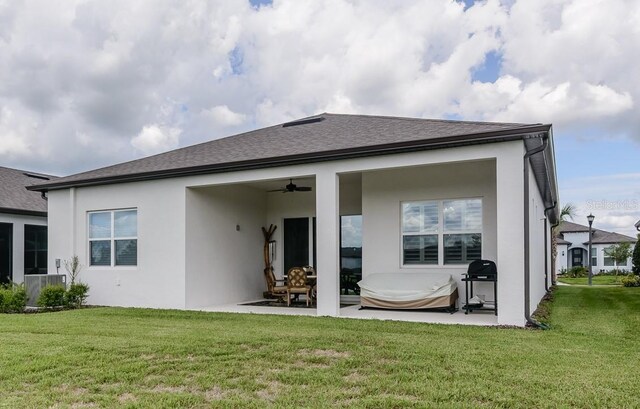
327,227
510,232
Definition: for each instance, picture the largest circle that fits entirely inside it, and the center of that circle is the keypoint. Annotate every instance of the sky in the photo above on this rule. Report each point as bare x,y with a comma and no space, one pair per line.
86,84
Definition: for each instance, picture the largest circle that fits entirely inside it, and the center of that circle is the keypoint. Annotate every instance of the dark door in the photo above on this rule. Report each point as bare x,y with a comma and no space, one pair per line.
296,243
576,257
6,252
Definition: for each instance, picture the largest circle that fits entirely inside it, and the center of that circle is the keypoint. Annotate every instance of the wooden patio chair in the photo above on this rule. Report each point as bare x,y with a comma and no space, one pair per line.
297,284
275,288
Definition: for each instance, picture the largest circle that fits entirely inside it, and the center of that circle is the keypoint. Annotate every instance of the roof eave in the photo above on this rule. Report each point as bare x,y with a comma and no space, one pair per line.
23,212
401,147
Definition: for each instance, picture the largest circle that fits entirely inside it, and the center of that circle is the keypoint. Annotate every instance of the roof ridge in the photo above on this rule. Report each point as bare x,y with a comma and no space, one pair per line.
520,124
23,171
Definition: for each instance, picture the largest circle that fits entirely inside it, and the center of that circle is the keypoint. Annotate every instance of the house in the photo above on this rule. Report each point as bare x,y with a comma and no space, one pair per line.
23,225
182,229
573,248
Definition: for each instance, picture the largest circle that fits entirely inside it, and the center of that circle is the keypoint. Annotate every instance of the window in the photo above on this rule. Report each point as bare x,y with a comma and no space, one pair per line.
608,261
441,232
35,249
350,253
113,238
420,222
594,257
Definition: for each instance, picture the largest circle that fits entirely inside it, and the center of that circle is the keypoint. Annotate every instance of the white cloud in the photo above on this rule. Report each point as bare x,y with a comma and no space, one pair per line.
105,71
155,139
13,134
613,198
223,116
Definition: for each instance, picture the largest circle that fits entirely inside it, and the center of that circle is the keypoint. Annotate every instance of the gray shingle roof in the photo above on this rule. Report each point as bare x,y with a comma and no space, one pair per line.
605,237
15,198
599,236
317,139
570,227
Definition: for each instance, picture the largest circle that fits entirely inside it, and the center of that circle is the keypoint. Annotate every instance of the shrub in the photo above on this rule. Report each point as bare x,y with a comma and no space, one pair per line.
614,272
631,281
562,271
52,296
577,272
13,298
76,295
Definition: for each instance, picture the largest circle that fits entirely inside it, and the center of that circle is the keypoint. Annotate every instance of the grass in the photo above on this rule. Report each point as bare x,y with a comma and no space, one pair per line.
108,357
597,280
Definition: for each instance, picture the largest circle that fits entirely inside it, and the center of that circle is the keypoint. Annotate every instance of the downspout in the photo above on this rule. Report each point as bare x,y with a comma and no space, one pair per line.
553,260
546,248
527,252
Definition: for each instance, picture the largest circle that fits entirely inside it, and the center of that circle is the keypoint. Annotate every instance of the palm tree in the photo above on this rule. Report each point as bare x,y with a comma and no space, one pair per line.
568,211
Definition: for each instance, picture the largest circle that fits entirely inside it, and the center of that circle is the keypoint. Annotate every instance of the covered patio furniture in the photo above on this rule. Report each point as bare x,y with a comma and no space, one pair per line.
274,288
408,291
297,284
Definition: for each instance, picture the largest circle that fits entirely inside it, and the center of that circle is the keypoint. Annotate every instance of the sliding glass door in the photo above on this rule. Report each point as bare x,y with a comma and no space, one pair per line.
6,252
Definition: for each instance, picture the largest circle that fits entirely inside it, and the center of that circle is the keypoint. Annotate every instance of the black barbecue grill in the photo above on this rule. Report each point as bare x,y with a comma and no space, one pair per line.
481,271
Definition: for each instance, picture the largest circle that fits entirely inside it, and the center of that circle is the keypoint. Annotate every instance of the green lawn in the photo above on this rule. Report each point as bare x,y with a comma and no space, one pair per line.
597,280
107,357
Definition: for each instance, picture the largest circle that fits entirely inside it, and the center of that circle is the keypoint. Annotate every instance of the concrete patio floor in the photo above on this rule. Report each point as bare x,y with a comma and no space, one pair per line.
354,311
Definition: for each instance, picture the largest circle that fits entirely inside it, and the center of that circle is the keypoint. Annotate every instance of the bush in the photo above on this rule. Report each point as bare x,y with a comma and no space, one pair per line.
76,295
631,281
635,258
577,272
52,296
13,298
613,272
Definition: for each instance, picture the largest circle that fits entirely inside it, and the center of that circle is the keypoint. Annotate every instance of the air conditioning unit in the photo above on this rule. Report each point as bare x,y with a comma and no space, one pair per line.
34,283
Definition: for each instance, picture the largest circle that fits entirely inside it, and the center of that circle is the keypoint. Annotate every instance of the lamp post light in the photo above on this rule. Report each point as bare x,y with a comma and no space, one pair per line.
590,219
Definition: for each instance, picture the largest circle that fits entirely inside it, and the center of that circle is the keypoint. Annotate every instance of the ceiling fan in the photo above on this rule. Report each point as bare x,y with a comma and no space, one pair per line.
292,187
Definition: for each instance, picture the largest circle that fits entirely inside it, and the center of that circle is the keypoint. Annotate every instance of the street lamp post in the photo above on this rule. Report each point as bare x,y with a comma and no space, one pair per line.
590,219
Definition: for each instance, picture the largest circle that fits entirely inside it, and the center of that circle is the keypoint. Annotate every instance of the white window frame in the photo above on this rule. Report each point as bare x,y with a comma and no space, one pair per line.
605,257
440,233
112,239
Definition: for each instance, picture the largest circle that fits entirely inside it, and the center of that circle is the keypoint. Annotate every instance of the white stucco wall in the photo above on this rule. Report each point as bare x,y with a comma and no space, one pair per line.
224,264
18,221
578,240
384,191
536,239
561,257
158,279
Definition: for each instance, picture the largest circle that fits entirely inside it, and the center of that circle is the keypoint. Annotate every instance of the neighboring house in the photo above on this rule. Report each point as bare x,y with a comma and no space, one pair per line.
573,248
23,225
182,229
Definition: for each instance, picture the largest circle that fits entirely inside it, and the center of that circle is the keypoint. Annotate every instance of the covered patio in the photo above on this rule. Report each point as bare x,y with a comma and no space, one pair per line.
229,218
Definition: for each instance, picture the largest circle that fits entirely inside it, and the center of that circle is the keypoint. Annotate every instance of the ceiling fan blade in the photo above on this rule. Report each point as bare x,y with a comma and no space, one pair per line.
303,189
277,190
